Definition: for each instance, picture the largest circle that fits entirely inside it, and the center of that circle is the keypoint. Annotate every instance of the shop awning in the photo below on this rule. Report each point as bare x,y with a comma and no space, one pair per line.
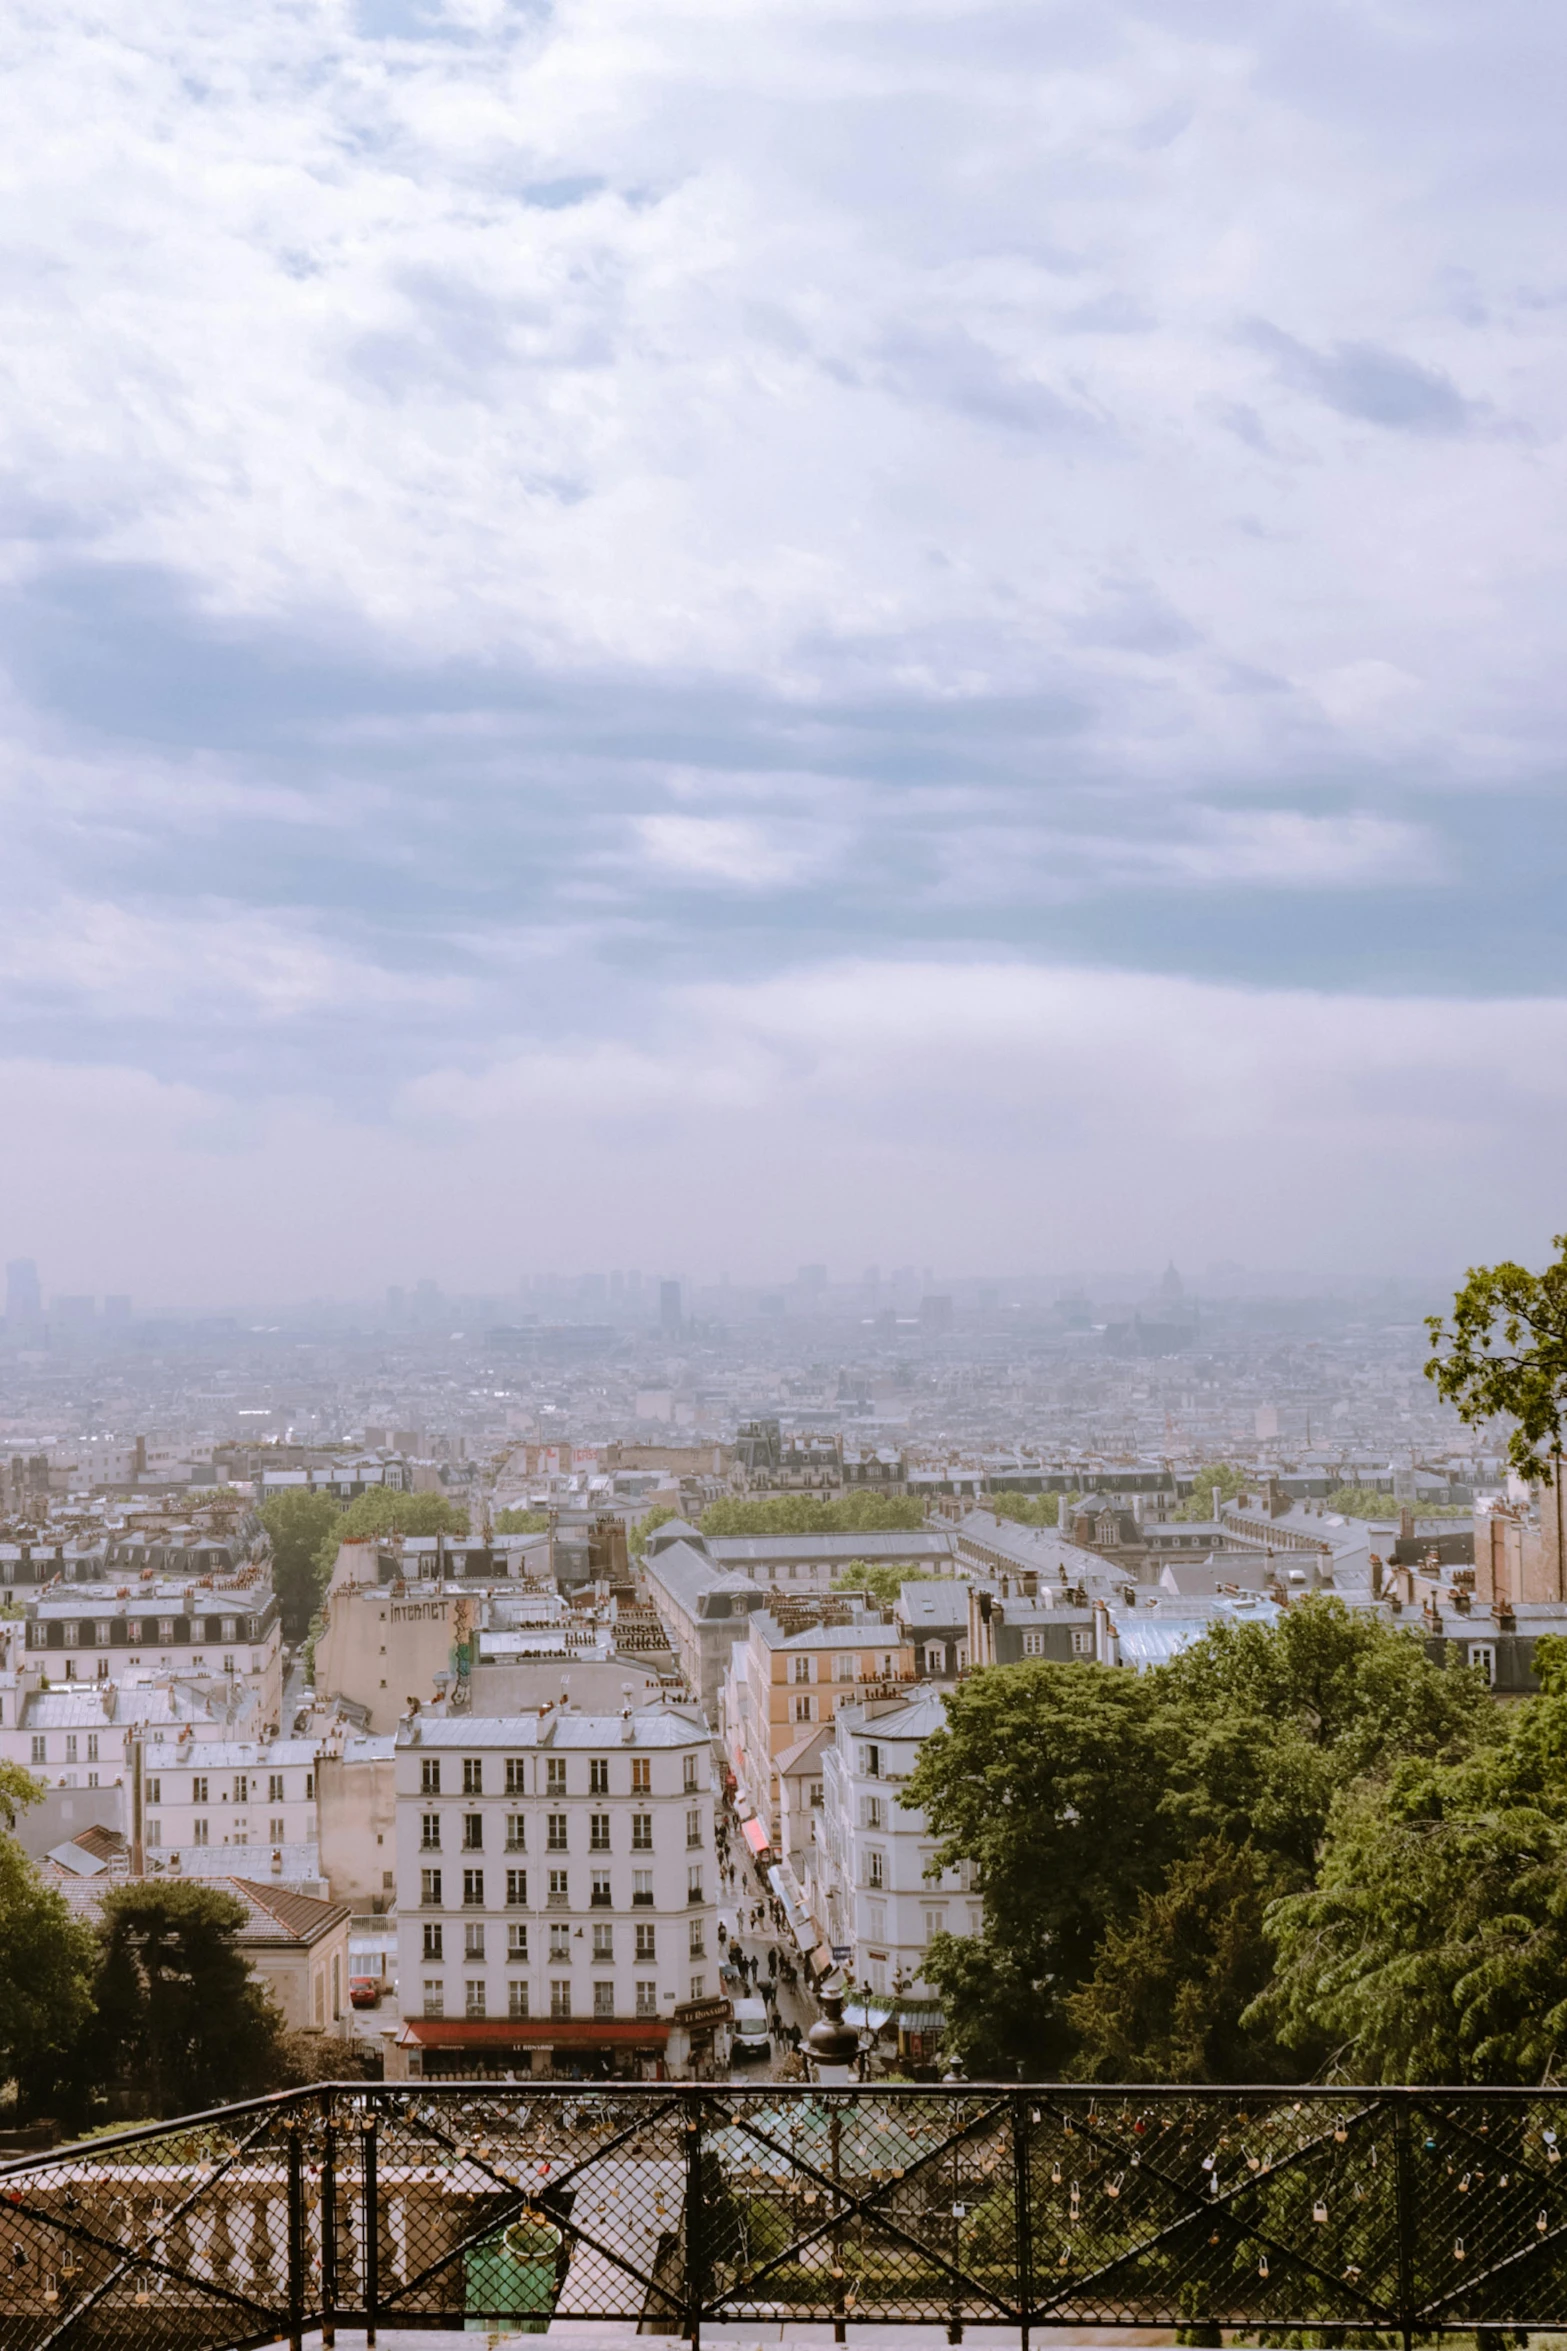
755,1836
548,2032
913,2018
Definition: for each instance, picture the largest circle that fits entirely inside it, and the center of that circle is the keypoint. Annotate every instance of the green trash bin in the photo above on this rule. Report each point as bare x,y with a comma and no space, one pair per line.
514,2276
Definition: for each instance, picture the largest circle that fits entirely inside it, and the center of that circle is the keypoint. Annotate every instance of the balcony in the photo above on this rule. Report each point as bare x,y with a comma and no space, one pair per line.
602,1899
557,1901
641,1901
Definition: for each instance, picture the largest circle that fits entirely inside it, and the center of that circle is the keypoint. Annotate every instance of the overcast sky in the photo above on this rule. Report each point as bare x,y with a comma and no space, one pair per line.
701,636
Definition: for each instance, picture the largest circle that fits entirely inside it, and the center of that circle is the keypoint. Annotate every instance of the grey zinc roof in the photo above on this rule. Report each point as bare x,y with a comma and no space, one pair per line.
936,1606
831,1550
652,1726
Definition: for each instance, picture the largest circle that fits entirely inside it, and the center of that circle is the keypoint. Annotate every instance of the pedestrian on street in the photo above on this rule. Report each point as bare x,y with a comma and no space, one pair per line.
772,1959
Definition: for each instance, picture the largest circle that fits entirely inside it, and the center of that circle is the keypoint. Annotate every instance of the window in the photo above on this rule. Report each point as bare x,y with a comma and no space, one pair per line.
70,1747
647,1998
560,1940
473,1889
846,1667
434,1996
473,1775
598,1832
516,1889
816,1795
275,1830
875,1868
228,1662
873,1763
598,1775
698,1987
642,1889
1482,1654
876,1913
516,1832
690,1781
198,1788
229,1630
241,1787
166,1630
555,1831
155,1832
604,2000
473,1832
641,1776
73,1635
935,1923
199,1832
560,1897
642,1832
693,1828
275,1787
1033,1644
601,1897
802,1669
310,1787
517,1941
516,1775
430,1775
473,2003
802,1709
555,1776
560,1997
694,1882
517,1997
646,1936
40,1757
874,1815
430,1889
100,1632
603,1940
473,1940
698,1945
429,1832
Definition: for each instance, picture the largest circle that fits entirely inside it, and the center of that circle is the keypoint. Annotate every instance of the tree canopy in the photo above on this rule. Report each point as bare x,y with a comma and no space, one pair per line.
299,1522
181,2022
522,1522
1201,1502
660,1515
47,1963
1504,1351
862,1513
1026,1510
1138,1838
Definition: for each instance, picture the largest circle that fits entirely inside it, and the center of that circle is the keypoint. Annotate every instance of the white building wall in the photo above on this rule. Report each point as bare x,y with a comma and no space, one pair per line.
532,1874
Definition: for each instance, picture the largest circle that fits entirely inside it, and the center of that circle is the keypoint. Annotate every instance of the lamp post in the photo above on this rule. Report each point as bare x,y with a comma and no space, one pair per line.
833,2048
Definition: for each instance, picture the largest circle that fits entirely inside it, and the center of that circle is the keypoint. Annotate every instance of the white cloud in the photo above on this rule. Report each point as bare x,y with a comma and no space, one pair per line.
723,849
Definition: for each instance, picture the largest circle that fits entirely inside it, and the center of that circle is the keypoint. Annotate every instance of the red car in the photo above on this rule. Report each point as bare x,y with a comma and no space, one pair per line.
364,1991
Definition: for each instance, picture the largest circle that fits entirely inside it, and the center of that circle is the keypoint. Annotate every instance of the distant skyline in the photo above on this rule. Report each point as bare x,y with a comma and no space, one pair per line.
695,637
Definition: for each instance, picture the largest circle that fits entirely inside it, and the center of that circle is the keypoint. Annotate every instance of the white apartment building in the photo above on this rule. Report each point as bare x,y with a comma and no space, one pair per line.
80,1734
556,1892
206,1626
866,1875
243,1800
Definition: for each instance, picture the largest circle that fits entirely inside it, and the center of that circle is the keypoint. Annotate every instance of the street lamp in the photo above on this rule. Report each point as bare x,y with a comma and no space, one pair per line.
833,2047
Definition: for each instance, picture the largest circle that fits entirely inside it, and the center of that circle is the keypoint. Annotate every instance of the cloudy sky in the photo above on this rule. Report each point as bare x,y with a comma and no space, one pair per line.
703,635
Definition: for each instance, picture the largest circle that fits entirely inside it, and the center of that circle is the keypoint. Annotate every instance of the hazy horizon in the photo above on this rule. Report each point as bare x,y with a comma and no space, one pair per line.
713,634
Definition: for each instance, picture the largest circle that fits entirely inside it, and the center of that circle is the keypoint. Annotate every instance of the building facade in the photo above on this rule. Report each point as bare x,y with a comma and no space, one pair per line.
556,1890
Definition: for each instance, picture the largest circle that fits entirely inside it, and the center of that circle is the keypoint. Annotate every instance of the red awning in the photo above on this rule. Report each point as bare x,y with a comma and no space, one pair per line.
755,1836
554,2032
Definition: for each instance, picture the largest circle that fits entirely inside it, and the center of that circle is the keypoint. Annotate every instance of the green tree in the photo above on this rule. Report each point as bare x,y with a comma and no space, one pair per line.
814,1514
1170,1993
1505,1352
1047,1779
660,1515
522,1522
181,2023
1215,1483
381,1510
1026,1510
883,1579
1373,1502
299,1524
47,1958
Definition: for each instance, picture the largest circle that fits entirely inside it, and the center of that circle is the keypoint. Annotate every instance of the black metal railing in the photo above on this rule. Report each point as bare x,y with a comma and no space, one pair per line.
680,2206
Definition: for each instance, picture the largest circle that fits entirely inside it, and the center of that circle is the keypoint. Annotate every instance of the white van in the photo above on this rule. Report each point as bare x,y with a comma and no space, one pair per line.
749,2041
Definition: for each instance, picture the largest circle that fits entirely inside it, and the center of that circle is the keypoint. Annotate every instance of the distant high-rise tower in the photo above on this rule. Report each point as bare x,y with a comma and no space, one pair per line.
1172,1286
669,1317
23,1298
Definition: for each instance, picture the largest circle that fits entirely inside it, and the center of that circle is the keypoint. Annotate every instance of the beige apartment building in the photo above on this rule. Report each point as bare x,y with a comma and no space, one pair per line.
780,1685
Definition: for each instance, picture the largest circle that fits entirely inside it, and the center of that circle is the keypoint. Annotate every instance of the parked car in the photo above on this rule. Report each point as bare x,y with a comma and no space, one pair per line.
364,1991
